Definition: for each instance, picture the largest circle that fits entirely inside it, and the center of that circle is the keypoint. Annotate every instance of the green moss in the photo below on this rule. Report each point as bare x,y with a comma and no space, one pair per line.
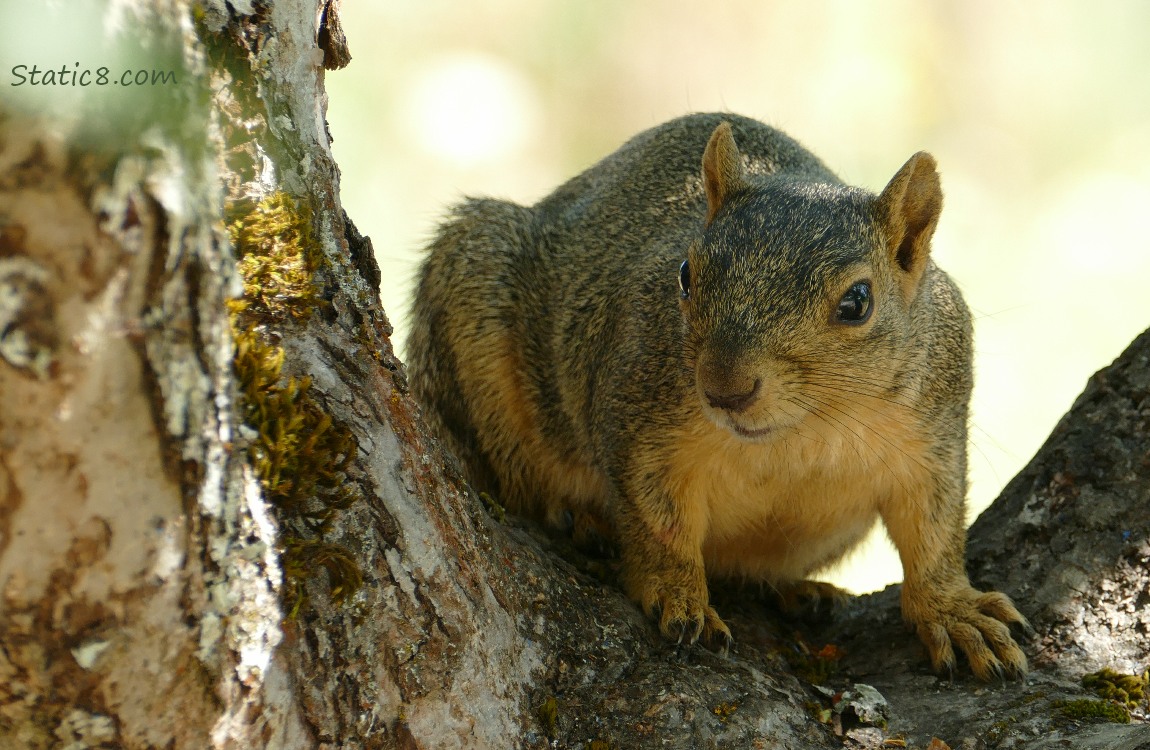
494,509
299,454
1127,689
1090,710
548,713
303,558
998,731
278,257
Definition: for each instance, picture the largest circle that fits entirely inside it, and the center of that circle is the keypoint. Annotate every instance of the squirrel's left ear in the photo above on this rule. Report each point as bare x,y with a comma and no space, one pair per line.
907,211
722,169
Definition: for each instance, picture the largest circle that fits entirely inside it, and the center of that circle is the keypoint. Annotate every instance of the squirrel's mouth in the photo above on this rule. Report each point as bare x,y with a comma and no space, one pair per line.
749,434
765,428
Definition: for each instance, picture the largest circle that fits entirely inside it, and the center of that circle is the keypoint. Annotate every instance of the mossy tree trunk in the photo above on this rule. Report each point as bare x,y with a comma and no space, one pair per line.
219,525
222,524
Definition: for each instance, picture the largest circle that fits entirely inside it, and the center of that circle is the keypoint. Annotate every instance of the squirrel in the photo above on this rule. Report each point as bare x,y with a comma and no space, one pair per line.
712,349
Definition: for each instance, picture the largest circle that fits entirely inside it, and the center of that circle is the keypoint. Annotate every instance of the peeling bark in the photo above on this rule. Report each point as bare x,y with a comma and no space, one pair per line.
141,576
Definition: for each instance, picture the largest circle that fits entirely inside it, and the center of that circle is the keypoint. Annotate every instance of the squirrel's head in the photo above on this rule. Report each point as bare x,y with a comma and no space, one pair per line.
799,297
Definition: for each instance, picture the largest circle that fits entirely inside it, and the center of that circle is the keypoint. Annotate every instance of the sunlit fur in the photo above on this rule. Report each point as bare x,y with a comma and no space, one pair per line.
553,352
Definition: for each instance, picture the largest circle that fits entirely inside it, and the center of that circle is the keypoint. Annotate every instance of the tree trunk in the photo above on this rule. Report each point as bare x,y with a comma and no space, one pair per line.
201,548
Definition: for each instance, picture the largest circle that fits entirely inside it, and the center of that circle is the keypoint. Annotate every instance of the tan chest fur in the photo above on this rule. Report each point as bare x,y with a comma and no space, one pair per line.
782,509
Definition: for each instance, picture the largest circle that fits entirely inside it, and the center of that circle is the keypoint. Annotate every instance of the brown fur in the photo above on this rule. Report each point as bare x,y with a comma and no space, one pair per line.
745,430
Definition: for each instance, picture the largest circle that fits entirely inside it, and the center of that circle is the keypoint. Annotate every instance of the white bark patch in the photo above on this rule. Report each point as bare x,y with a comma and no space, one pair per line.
81,730
96,521
27,318
86,654
496,663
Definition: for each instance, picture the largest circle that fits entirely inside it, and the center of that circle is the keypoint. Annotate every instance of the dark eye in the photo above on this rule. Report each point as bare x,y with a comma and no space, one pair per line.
856,305
684,280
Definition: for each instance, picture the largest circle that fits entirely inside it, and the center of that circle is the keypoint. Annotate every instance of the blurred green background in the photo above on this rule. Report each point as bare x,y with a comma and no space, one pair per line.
1038,113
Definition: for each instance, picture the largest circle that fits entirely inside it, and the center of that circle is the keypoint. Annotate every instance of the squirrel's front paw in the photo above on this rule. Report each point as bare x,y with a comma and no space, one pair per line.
679,600
976,622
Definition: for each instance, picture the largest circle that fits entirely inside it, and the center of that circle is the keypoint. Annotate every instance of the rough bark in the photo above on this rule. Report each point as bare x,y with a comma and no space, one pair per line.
137,557
143,600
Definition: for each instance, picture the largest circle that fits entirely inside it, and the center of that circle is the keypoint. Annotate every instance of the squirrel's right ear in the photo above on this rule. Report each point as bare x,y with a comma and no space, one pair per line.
908,211
722,169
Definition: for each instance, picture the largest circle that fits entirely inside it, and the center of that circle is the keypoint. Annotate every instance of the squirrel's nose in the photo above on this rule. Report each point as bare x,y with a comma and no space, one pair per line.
732,400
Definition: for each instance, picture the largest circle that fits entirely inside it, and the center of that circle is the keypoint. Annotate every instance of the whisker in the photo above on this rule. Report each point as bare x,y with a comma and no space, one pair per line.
951,423
894,475
815,411
830,403
827,416
877,390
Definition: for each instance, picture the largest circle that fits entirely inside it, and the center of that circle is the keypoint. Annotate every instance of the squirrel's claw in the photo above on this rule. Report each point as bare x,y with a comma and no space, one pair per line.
689,630
716,634
938,646
676,598
999,606
975,622
687,626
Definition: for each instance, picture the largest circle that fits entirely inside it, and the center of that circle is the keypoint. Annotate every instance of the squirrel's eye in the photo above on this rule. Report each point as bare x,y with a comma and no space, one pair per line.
856,305
685,280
